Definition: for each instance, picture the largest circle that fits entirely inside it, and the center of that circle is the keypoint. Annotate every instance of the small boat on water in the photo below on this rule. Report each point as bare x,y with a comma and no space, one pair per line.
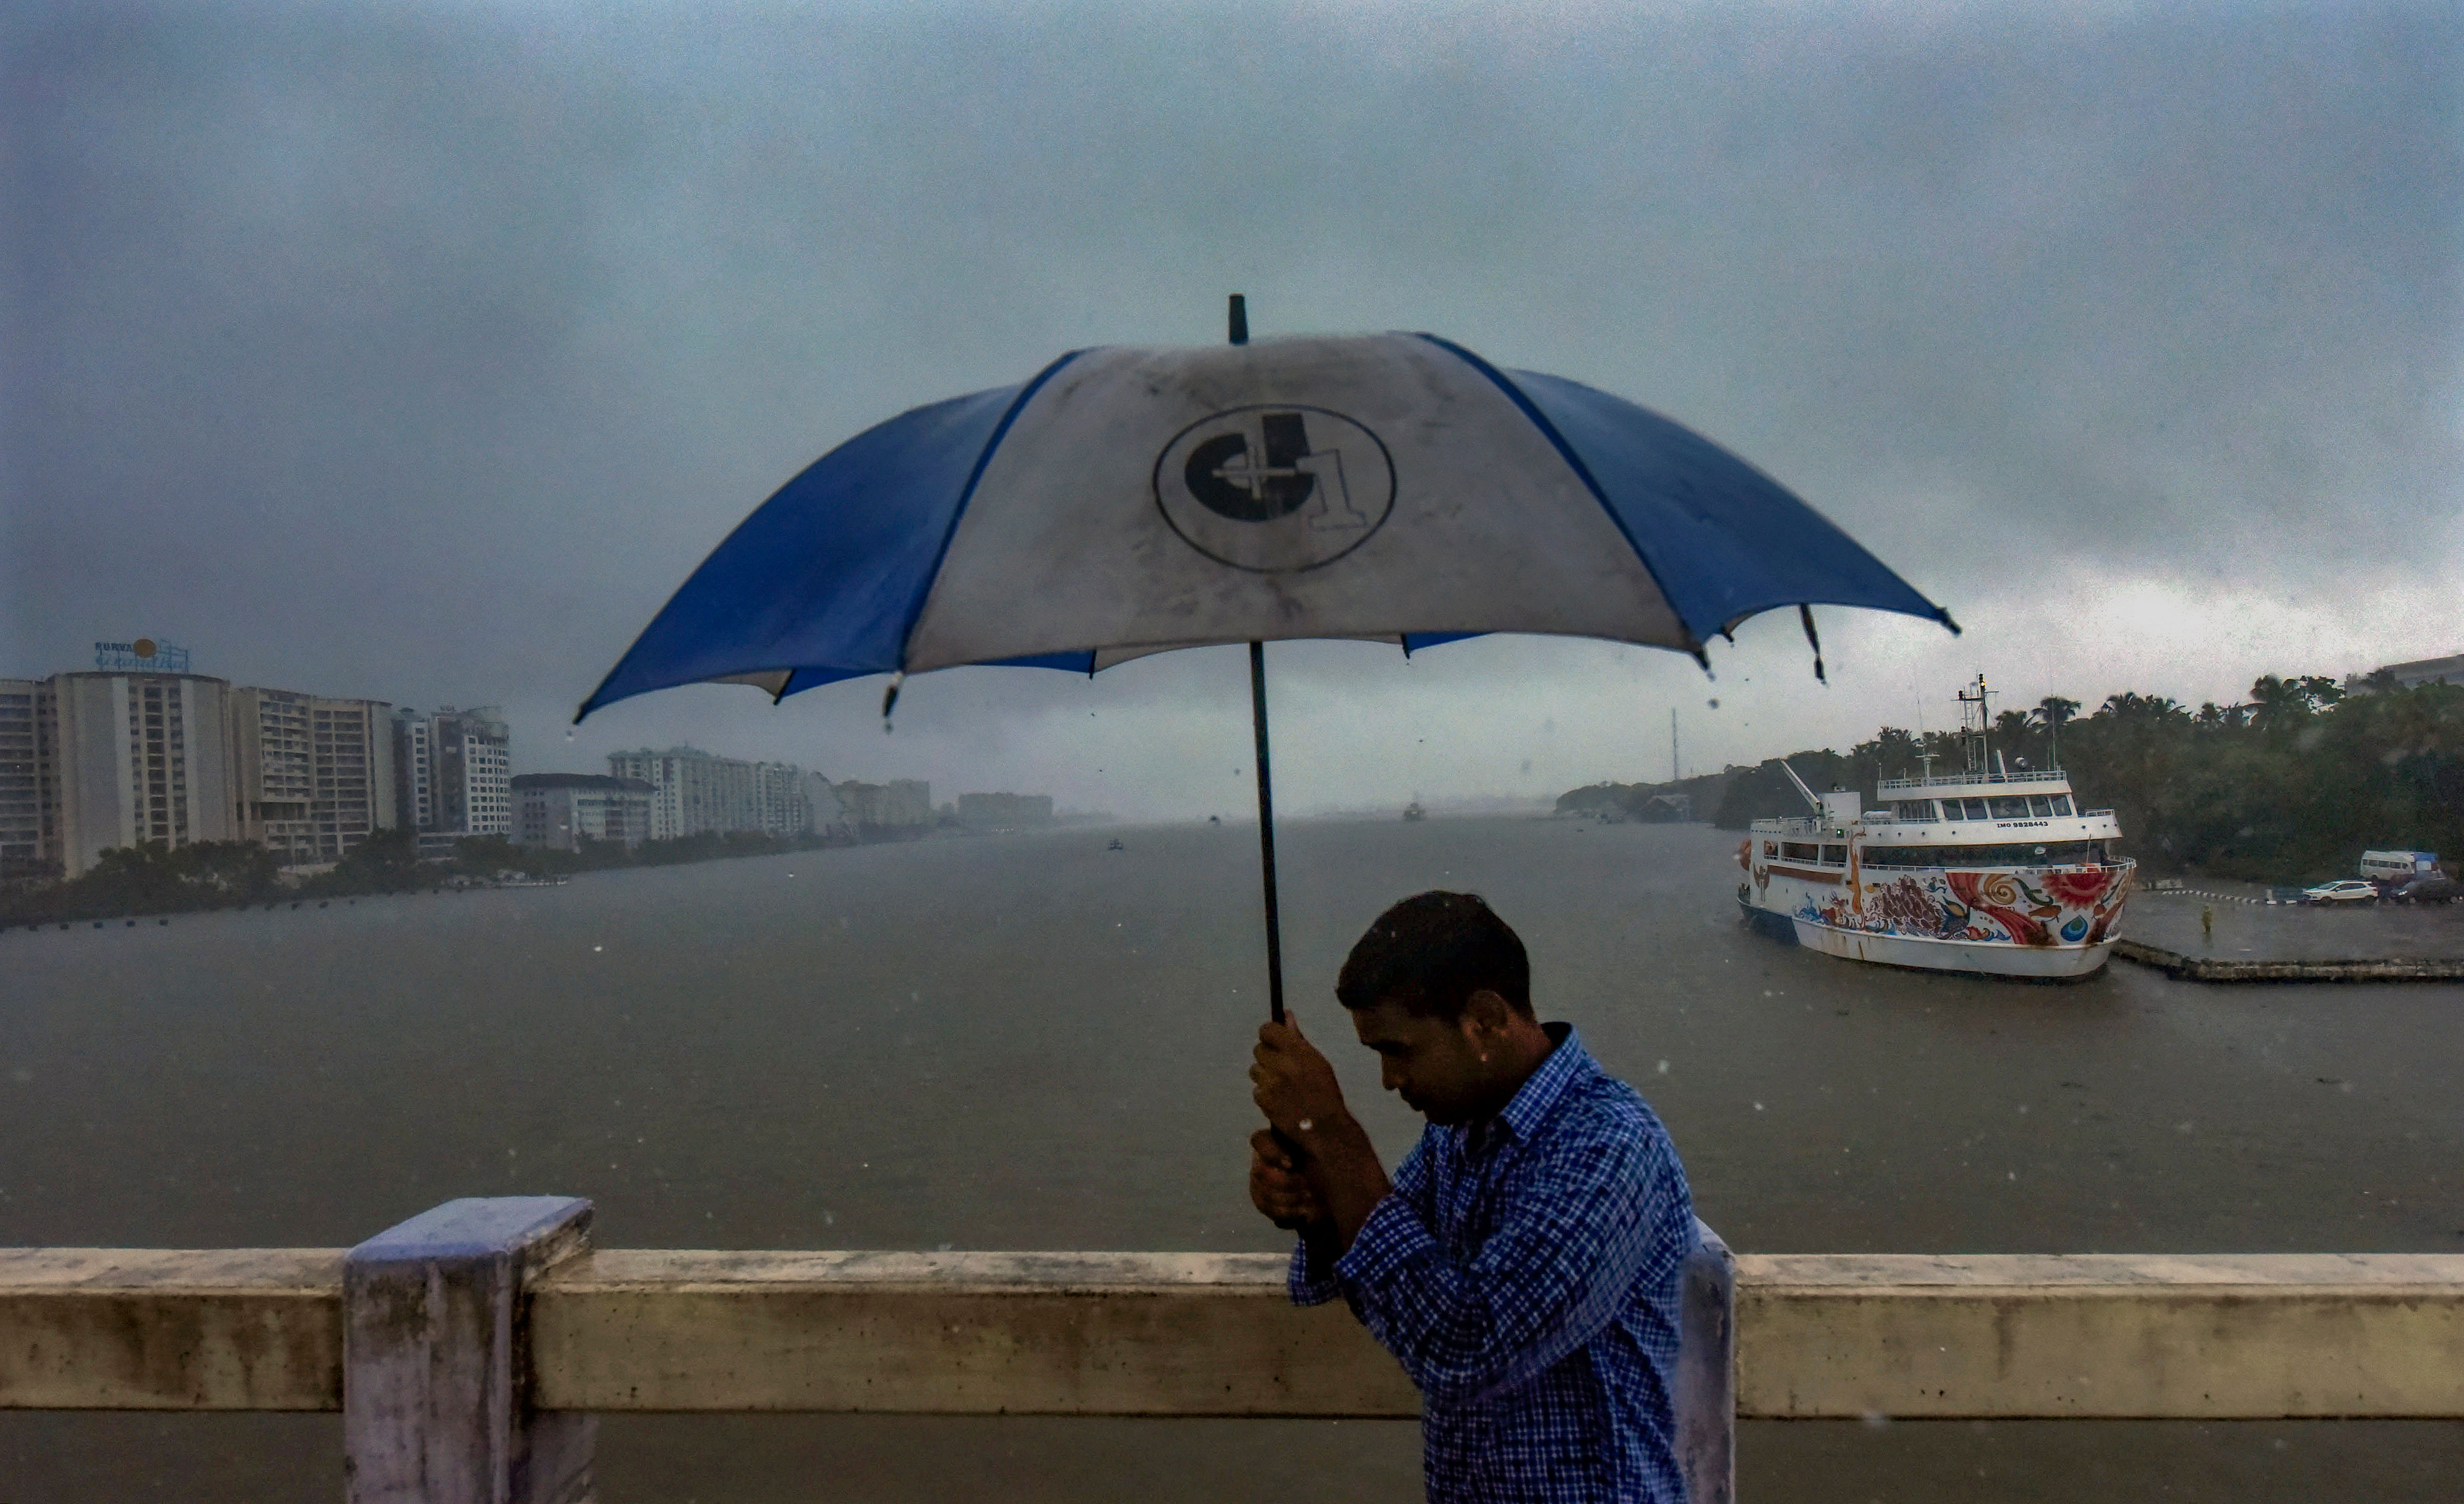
1987,871
1412,813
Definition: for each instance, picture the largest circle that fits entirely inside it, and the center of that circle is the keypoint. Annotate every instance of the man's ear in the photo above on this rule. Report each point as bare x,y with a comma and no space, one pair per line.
1486,1012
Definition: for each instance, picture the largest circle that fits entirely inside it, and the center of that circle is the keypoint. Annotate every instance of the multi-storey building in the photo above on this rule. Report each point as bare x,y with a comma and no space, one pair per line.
824,813
135,758
414,768
315,775
27,806
693,791
142,750
1004,811
453,771
903,804
565,810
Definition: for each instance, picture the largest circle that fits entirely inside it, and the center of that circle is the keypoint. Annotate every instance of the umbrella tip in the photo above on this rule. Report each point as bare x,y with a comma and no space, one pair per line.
1238,319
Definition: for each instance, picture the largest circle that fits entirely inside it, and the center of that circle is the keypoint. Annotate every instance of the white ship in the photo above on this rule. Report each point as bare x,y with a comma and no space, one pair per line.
1988,871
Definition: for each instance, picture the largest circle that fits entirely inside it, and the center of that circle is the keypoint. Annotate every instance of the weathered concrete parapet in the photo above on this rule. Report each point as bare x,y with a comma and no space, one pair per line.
1705,1401
2101,1336
171,1329
435,1408
950,1333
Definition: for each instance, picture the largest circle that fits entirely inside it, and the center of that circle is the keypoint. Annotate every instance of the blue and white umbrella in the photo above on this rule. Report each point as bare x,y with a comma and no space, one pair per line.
1133,499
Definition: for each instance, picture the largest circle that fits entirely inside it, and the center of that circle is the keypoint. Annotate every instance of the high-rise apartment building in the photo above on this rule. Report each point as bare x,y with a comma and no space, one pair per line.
143,751
315,775
1004,811
903,804
453,770
27,806
692,791
563,809
135,758
414,768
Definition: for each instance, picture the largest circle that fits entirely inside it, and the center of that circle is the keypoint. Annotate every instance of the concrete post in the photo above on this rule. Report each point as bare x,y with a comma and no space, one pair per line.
1705,1401
435,1360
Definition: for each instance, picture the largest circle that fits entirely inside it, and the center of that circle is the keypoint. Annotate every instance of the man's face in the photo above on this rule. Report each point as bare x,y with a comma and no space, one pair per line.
1433,1064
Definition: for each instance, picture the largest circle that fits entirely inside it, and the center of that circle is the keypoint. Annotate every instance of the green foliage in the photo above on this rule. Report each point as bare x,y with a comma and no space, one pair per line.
155,878
2292,786
1628,801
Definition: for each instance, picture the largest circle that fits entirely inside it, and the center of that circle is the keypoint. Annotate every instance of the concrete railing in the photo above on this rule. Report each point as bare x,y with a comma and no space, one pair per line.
470,1347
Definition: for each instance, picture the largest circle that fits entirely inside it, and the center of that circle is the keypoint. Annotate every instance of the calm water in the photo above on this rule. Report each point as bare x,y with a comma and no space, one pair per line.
1031,1041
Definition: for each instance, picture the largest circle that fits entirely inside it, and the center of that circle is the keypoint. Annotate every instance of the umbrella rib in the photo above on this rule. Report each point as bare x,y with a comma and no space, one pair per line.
941,556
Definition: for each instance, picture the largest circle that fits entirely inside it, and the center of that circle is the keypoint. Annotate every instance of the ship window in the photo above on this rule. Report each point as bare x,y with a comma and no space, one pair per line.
2062,805
2039,805
1836,856
1916,809
2009,806
1801,852
1771,847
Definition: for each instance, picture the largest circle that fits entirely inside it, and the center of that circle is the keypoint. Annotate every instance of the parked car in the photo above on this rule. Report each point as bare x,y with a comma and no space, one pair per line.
2427,888
2351,890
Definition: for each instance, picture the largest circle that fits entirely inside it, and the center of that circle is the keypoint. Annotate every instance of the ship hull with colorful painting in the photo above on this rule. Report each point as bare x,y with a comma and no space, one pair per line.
1999,873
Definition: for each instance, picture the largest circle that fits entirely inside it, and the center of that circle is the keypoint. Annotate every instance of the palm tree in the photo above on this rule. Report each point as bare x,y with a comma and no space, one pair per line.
2050,713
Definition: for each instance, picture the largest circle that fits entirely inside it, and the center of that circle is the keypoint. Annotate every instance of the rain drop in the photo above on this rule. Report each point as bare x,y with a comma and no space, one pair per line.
1715,705
1758,1107
1664,1068
598,948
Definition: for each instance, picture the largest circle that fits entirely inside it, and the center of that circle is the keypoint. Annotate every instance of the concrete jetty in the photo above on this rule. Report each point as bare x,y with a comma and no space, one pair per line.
2210,968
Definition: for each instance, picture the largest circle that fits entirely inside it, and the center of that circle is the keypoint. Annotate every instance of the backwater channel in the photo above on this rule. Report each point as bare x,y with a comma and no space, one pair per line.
1033,1042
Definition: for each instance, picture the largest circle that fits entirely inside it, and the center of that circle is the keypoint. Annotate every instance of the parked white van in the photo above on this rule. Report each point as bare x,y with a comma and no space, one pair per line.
2397,866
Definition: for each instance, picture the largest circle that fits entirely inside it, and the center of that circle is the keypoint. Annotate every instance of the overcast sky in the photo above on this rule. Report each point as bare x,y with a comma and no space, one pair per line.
419,351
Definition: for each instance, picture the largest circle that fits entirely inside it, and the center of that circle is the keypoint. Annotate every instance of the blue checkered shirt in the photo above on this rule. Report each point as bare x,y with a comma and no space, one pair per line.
1527,1275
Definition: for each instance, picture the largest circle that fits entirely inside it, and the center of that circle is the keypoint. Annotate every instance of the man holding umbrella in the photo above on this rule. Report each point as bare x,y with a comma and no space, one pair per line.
1394,487
1524,1264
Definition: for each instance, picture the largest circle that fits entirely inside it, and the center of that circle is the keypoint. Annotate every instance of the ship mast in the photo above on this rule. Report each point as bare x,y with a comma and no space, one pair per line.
1973,721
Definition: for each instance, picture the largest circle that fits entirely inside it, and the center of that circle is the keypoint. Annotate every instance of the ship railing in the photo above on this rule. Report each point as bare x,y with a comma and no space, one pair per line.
1792,825
2044,775
471,1349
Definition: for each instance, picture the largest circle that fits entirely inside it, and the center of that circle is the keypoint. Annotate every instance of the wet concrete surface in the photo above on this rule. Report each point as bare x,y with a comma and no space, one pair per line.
2247,930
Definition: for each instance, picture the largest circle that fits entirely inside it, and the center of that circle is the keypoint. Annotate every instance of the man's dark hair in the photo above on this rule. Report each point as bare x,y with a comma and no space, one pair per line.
1431,952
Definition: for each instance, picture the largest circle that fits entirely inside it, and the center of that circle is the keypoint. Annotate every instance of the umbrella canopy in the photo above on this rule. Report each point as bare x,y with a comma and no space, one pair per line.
1132,500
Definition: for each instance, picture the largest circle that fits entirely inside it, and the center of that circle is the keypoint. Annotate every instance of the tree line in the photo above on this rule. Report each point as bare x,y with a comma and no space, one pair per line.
159,879
2292,786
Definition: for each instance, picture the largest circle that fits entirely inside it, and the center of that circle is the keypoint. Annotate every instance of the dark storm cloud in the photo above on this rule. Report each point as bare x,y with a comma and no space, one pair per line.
419,352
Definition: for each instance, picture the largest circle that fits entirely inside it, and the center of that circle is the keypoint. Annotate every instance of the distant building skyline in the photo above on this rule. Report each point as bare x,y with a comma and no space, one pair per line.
693,793
1004,811
561,810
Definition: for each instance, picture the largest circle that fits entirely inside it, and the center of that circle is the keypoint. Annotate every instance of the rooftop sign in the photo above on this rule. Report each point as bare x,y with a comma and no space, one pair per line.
145,655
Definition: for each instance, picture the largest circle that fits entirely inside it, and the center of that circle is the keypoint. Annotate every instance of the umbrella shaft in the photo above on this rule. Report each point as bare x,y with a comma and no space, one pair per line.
1266,832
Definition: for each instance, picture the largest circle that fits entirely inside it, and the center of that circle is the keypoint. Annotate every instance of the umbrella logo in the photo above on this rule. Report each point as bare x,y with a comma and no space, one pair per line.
1275,490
